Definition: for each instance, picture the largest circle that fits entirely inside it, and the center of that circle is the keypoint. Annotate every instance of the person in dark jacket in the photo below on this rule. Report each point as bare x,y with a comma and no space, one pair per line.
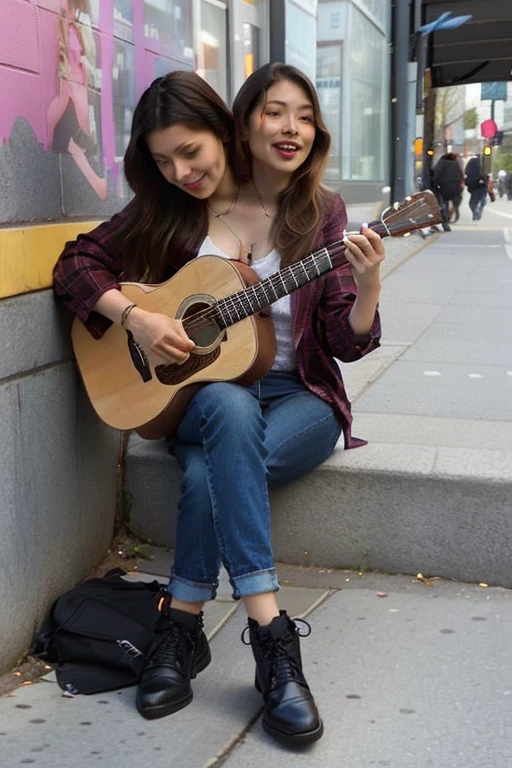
476,182
448,181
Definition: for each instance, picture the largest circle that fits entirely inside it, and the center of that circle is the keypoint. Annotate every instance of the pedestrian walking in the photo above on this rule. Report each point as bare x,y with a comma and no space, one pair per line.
448,181
476,182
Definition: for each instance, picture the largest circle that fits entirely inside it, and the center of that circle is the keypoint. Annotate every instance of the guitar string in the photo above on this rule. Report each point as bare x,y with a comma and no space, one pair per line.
199,319
296,269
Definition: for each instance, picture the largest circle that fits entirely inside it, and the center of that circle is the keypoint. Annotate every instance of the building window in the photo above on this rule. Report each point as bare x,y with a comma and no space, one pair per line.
300,42
328,86
213,46
251,38
168,28
368,73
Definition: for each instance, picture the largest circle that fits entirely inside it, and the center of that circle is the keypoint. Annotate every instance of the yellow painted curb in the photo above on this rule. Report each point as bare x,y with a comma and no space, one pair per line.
28,254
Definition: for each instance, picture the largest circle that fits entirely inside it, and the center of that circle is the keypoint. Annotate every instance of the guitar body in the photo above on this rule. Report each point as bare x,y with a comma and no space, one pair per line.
130,390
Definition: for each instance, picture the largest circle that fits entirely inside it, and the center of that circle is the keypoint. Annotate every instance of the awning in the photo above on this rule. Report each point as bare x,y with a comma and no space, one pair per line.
478,51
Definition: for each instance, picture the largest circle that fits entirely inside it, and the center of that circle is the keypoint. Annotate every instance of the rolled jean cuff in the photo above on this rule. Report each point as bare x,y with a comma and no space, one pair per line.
191,591
255,583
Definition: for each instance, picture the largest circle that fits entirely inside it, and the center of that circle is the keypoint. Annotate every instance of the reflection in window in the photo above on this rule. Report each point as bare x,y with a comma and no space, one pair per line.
328,86
367,119
213,51
123,20
251,40
300,43
123,94
378,9
168,23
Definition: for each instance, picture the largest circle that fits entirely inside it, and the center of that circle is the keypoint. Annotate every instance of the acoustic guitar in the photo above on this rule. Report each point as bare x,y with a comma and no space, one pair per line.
224,308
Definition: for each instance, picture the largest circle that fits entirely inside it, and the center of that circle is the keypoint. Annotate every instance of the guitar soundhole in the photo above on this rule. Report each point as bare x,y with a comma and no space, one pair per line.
200,326
203,330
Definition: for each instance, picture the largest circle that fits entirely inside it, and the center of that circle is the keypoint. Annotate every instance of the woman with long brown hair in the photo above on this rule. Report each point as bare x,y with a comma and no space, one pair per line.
233,442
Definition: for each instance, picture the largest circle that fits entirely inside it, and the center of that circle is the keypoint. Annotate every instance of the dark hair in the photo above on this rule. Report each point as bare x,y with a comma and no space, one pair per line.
302,203
163,221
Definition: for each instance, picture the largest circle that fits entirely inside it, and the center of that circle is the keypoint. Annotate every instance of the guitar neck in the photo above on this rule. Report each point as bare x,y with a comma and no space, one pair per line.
251,300
417,211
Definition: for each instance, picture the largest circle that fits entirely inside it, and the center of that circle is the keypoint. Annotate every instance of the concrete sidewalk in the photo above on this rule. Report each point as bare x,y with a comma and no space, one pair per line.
405,674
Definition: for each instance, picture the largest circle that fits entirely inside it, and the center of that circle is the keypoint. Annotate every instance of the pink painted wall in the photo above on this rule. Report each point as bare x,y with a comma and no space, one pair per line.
123,30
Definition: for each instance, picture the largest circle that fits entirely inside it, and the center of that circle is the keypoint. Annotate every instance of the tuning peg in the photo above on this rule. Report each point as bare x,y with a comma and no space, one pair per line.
408,199
396,206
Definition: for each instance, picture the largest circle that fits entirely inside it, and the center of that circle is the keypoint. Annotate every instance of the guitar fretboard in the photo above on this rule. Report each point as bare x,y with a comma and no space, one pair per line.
251,300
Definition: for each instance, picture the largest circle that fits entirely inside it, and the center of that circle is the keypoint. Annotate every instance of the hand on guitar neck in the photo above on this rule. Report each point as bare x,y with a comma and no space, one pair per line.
365,253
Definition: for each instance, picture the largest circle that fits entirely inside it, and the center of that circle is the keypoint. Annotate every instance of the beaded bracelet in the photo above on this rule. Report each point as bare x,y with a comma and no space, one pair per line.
126,313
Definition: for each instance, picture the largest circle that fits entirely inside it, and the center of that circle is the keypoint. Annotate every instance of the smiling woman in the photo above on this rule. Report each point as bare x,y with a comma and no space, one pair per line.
194,161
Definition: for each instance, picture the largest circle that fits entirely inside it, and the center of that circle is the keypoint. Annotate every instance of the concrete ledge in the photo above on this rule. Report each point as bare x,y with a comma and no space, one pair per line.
396,508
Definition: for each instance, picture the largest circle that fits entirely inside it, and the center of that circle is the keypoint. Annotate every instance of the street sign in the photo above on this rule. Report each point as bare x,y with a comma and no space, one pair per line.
488,128
494,91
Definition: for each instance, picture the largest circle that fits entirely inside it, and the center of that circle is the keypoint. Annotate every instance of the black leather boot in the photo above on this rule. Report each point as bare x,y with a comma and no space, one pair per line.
290,710
179,652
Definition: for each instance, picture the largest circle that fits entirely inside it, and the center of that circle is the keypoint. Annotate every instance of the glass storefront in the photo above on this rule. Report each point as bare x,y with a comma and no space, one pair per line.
169,24
300,42
365,156
328,86
213,46
353,86
251,38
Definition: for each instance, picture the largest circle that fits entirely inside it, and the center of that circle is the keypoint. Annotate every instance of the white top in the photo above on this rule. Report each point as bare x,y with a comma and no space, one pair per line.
280,310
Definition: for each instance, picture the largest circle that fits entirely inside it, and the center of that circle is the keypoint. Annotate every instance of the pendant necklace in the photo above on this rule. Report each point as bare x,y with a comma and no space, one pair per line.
267,214
248,255
230,207
220,217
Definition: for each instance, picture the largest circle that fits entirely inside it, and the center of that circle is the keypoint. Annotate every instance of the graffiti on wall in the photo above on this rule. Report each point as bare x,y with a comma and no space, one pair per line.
71,72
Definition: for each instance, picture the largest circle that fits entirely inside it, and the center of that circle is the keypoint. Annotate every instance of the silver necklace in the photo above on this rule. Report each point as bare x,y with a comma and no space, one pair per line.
220,217
229,209
260,200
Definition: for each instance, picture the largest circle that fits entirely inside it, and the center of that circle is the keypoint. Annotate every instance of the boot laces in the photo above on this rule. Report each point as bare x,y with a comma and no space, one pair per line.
284,667
166,653
302,627
177,636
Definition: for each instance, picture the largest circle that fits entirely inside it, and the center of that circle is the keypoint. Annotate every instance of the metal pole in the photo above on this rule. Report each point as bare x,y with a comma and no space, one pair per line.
399,153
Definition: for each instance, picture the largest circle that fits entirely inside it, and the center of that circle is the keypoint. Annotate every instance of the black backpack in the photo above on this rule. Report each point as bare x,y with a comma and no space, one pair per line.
98,633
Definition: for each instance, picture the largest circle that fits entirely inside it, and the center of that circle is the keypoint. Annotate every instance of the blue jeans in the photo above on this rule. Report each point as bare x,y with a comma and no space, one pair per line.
232,444
477,201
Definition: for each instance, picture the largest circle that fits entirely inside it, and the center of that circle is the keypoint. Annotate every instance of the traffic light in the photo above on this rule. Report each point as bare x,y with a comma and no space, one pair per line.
497,139
487,151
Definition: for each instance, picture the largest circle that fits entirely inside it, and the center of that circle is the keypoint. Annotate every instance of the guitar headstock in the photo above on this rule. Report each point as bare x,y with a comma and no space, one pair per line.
415,212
